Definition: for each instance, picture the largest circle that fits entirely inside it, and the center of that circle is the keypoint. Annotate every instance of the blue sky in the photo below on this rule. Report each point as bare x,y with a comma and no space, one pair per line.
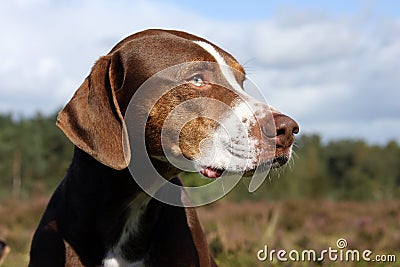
258,10
332,65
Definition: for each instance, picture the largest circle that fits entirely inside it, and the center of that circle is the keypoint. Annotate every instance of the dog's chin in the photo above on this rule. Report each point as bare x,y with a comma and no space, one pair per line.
279,161
214,173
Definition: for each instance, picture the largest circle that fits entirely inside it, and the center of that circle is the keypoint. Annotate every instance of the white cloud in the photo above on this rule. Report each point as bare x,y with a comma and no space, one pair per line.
328,71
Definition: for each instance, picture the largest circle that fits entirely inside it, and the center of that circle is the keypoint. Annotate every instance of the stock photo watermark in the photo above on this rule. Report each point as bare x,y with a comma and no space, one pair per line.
340,253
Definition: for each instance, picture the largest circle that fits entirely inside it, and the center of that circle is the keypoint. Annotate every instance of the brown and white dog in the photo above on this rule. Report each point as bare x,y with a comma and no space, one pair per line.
99,216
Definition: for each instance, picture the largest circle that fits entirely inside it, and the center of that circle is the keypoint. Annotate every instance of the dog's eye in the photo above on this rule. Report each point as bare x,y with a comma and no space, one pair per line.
197,80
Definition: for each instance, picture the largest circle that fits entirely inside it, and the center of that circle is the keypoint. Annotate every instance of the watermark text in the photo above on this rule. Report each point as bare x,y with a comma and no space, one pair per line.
338,254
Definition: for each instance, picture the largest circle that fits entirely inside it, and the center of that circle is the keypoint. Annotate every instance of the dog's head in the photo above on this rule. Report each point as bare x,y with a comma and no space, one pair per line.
216,125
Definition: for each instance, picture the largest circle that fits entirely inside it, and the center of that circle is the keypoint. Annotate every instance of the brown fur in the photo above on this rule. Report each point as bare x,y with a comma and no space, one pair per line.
86,214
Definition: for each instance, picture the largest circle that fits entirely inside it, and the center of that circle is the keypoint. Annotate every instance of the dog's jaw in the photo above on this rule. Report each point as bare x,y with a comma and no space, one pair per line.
237,145
232,147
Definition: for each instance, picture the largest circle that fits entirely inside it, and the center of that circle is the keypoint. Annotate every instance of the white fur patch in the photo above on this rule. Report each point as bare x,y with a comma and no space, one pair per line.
116,261
136,209
232,147
224,67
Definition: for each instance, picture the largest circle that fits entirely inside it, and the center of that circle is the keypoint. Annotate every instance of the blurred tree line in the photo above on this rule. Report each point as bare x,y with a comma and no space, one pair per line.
337,170
35,153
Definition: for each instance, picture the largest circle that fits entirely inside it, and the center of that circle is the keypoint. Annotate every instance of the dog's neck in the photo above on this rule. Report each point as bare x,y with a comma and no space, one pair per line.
125,207
133,242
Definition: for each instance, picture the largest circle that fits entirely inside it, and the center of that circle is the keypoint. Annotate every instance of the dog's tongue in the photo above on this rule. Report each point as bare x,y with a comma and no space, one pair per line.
211,172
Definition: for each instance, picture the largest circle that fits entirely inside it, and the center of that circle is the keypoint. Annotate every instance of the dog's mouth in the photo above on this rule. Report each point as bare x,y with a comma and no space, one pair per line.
214,173
211,172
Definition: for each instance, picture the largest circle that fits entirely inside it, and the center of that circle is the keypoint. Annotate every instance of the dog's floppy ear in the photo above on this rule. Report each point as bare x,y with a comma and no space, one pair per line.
92,119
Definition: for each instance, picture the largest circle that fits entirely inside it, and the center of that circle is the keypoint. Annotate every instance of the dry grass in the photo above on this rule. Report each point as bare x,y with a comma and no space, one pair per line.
18,220
236,231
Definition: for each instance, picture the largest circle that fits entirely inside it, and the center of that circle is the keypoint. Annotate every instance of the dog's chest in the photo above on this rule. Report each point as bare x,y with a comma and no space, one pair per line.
126,252
120,262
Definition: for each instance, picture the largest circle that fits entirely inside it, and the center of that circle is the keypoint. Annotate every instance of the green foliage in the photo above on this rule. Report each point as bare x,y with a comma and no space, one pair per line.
338,170
34,150
31,150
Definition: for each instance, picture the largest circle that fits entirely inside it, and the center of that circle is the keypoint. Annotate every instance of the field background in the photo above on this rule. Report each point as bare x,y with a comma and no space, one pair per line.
340,189
236,231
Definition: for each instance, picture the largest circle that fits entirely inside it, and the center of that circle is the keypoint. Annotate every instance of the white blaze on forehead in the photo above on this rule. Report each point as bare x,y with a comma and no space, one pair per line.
233,130
246,102
225,68
227,72
233,147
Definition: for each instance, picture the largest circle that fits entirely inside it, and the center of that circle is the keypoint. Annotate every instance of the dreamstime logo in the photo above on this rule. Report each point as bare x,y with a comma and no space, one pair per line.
341,243
339,254
168,102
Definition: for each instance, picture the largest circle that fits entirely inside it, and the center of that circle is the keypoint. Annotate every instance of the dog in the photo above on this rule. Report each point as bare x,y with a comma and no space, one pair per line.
99,215
4,250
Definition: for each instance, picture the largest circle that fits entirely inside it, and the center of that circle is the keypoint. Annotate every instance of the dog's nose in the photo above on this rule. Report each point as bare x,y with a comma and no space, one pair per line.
286,128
